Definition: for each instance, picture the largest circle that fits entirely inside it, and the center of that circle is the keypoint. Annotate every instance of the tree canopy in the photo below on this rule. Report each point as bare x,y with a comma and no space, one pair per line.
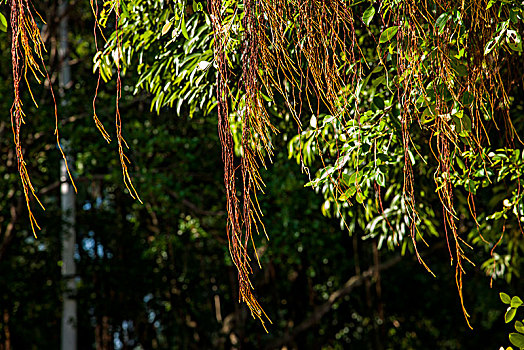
388,98
387,107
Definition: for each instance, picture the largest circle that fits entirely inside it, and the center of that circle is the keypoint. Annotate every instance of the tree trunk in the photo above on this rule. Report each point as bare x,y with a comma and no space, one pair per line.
69,319
7,334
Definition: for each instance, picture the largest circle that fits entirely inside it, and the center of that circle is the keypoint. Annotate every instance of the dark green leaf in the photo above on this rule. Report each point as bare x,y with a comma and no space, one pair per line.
467,99
471,186
460,69
379,102
517,339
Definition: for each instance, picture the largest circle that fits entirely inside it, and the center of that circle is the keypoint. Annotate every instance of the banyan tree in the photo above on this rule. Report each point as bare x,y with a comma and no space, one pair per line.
389,98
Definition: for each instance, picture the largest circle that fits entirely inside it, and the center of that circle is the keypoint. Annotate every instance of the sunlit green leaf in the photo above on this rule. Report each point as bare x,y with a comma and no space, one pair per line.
368,15
510,314
166,27
441,22
516,302
506,299
184,29
388,34
3,23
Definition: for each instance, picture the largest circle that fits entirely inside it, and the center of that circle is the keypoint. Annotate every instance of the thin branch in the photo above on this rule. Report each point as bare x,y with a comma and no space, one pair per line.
352,283
193,207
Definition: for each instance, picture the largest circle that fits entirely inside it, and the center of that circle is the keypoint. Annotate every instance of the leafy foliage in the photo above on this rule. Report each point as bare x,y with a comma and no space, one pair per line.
398,105
421,96
517,339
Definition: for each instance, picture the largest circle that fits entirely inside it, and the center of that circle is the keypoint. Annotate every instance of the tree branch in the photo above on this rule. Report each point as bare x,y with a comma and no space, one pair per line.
193,207
8,235
352,283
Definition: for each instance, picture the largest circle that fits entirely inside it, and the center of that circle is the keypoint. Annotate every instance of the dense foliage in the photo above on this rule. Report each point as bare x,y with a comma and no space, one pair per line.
398,106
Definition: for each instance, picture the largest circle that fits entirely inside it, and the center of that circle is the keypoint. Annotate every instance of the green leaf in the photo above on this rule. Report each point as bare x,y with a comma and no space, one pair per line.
506,299
462,125
460,69
494,42
166,27
428,115
197,6
519,326
514,40
516,302
510,314
388,34
441,22
471,186
490,45
381,179
368,15
184,29
313,121
379,102
348,194
517,339
3,23
377,69
467,99
352,180
377,81
360,197
462,166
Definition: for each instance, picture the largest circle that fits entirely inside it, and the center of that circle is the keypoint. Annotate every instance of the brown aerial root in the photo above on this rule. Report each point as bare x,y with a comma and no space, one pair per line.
96,28
319,58
26,55
113,6
308,52
245,213
124,161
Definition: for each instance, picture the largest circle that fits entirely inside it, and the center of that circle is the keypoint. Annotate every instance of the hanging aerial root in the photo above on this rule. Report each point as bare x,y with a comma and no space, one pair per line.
309,49
26,55
113,6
